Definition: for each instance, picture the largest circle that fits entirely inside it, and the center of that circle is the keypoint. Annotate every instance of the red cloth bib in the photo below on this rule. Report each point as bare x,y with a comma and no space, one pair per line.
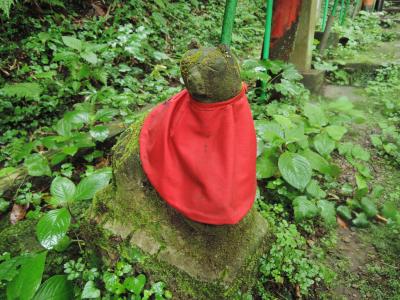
201,157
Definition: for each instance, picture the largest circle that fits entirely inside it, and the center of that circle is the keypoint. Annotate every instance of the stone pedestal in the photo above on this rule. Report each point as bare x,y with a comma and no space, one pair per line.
313,80
302,52
196,261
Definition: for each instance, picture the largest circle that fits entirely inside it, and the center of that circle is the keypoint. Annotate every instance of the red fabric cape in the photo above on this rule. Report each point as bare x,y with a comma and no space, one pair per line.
201,157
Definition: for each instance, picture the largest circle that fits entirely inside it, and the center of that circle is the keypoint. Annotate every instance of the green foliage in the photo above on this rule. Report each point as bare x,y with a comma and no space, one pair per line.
119,282
289,261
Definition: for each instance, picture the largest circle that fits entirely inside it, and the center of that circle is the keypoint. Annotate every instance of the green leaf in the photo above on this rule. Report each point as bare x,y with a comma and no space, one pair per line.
336,132
57,287
362,186
344,212
376,140
369,207
314,190
37,165
327,212
53,227
90,57
324,144
360,153
135,284
266,166
304,209
361,220
72,42
90,291
88,187
25,284
63,190
29,90
342,105
70,150
106,114
295,169
317,162
315,115
63,127
7,171
390,211
99,132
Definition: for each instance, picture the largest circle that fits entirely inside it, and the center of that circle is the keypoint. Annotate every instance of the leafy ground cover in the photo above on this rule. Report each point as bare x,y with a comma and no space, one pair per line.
69,70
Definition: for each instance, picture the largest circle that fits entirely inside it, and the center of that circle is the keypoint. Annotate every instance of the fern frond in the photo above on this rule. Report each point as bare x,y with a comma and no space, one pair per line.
29,90
5,6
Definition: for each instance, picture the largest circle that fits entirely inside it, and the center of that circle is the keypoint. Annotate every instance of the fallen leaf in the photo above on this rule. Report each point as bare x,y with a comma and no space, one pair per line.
99,10
18,212
342,223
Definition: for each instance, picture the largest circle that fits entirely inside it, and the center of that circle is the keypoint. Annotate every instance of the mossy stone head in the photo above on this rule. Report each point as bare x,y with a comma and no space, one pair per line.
211,74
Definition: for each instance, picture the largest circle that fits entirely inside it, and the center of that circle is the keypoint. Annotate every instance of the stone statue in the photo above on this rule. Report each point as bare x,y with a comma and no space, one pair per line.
211,74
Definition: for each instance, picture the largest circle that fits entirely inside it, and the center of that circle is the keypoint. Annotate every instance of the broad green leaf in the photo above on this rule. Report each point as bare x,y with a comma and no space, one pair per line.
324,144
29,90
285,122
53,227
344,212
270,131
135,284
362,186
390,211
345,148
336,132
342,105
315,114
369,207
62,189
73,42
90,291
63,127
57,287
90,57
10,268
88,186
99,132
327,212
295,169
77,117
317,162
106,114
37,165
70,150
266,166
360,153
376,140
361,220
314,190
304,209
26,283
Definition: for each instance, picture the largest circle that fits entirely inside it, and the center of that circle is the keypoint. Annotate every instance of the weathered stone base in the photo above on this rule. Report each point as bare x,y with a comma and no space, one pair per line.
196,261
313,80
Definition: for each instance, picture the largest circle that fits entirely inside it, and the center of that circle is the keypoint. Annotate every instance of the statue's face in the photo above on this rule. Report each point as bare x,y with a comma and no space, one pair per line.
211,74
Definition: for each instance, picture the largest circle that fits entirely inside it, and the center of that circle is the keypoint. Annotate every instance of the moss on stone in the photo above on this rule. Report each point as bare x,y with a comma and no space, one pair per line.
197,261
19,238
211,74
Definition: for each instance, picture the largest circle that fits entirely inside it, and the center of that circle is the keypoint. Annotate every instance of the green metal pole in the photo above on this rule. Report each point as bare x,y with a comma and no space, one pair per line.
229,18
268,29
341,15
346,8
325,15
267,42
334,8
